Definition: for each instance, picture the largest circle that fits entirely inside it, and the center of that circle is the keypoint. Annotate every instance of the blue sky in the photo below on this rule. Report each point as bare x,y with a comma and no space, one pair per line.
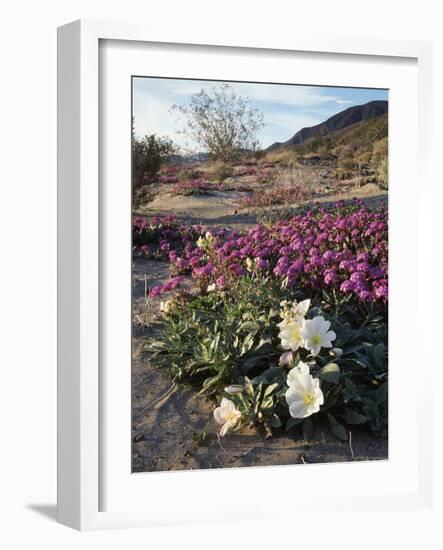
286,108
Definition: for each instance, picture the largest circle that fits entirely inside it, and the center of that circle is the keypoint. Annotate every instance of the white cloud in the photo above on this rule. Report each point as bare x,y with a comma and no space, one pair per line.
283,94
297,96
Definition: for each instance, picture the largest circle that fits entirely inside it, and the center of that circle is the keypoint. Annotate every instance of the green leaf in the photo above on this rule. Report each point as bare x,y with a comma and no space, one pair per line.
382,394
274,421
352,349
292,422
337,429
330,373
270,389
379,353
249,326
248,342
307,429
351,416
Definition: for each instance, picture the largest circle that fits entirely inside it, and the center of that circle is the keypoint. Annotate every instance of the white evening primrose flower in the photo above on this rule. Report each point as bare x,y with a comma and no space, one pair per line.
227,415
301,369
316,334
291,334
304,396
211,287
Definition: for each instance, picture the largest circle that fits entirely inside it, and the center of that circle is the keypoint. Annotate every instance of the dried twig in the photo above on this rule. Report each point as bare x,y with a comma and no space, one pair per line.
350,445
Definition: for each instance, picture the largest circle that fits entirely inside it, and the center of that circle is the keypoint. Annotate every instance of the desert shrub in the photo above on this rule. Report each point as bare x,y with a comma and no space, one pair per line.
220,121
258,153
148,155
221,171
281,156
141,195
379,161
381,173
190,173
347,166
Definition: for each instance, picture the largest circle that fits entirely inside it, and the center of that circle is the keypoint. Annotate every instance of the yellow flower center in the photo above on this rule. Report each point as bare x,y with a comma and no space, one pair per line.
308,398
295,333
316,340
231,416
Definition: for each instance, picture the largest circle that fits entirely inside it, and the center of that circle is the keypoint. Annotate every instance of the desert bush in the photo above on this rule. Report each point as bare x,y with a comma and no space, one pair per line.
148,156
220,121
381,173
379,161
221,171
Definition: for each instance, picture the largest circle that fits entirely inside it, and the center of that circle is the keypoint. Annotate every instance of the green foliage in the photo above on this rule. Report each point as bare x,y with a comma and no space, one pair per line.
148,155
220,338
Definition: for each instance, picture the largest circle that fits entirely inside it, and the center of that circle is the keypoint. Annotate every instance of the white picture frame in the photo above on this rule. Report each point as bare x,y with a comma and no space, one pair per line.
81,412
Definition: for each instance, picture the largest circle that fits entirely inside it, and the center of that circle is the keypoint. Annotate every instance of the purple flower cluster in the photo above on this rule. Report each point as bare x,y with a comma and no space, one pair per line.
342,248
194,187
274,197
247,171
168,178
156,237
170,285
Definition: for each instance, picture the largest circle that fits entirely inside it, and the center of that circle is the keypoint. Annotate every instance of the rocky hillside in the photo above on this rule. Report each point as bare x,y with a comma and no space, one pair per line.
344,119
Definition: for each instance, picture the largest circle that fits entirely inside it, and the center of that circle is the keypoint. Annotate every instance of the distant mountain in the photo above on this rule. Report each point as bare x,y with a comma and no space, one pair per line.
341,120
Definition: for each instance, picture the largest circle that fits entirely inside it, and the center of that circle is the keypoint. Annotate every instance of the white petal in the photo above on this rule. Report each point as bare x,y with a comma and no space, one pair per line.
305,381
306,329
317,322
331,335
300,369
325,326
312,409
219,415
302,307
225,428
295,384
227,405
298,410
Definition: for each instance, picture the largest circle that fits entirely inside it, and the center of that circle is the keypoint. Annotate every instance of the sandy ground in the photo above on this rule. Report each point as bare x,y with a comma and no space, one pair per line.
166,417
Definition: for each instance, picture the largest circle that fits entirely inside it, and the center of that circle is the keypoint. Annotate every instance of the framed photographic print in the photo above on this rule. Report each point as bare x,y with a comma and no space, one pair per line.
231,216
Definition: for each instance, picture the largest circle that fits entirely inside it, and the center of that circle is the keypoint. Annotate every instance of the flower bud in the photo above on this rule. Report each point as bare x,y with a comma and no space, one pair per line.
234,388
336,352
287,359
